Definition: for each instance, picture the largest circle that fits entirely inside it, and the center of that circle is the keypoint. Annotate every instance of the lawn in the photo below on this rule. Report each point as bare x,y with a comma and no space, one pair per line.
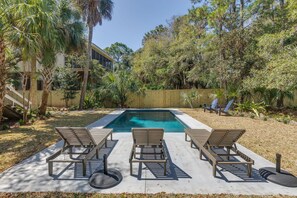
19,143
263,137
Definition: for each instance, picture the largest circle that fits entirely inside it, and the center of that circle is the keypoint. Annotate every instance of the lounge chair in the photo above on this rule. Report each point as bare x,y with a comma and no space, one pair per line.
206,141
82,138
212,107
226,109
148,138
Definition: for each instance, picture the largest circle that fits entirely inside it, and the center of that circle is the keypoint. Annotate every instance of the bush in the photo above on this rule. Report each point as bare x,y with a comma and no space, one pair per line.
22,122
190,98
286,119
4,127
48,114
73,108
91,101
253,107
116,87
32,120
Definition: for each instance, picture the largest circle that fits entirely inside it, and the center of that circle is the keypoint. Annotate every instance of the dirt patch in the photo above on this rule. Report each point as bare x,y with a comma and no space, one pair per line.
262,137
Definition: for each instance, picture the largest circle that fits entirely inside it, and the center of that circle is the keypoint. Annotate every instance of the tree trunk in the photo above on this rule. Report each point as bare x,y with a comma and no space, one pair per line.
24,85
86,69
33,84
241,14
47,74
282,4
3,75
280,101
43,106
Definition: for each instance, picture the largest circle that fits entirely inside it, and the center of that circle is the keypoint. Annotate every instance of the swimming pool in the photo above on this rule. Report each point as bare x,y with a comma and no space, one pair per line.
147,119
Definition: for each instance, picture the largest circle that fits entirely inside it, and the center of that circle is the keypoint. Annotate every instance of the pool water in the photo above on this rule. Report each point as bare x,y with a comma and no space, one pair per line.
147,119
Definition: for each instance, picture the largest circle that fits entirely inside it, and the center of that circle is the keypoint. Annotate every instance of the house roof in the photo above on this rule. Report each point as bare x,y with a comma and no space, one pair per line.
102,52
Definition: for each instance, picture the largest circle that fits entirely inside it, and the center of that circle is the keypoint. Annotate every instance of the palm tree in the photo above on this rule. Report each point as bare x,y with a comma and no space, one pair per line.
16,23
93,11
68,31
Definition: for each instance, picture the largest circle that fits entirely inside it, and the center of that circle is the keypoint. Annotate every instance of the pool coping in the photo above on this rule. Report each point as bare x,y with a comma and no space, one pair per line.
183,117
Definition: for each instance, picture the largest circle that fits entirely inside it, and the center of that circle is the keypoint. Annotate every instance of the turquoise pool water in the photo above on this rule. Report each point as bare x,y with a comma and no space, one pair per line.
147,119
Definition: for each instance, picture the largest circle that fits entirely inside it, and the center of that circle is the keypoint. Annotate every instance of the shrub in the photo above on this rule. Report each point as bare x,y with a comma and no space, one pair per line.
90,101
251,106
4,127
116,87
73,108
286,119
190,97
22,122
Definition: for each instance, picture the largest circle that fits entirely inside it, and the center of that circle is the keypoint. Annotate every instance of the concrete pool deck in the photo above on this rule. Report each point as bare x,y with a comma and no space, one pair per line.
186,172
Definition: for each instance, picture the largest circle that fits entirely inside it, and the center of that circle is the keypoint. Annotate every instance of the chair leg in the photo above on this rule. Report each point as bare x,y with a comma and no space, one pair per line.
84,164
162,154
134,152
131,168
97,153
70,152
200,154
249,170
214,169
165,167
228,152
50,168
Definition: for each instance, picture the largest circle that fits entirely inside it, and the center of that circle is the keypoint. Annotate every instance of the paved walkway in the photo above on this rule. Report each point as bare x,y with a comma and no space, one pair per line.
186,173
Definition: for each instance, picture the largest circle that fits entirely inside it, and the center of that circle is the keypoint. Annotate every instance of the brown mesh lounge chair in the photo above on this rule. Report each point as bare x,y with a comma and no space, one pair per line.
79,137
147,138
219,138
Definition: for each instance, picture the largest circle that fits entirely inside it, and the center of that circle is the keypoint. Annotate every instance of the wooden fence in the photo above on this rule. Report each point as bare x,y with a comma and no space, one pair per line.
168,98
151,99
55,99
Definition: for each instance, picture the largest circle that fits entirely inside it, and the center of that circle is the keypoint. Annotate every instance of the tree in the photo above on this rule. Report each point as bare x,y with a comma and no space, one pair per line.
68,81
151,62
116,87
276,35
93,12
121,54
156,33
67,36
17,22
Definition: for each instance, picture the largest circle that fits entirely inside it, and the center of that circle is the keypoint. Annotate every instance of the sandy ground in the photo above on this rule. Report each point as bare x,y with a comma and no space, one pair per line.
265,138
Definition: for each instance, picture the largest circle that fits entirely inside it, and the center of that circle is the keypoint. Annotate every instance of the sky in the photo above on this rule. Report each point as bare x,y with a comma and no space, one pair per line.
131,19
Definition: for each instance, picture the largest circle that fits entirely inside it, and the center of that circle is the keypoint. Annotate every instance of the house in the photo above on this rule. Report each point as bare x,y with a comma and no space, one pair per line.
14,98
97,54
